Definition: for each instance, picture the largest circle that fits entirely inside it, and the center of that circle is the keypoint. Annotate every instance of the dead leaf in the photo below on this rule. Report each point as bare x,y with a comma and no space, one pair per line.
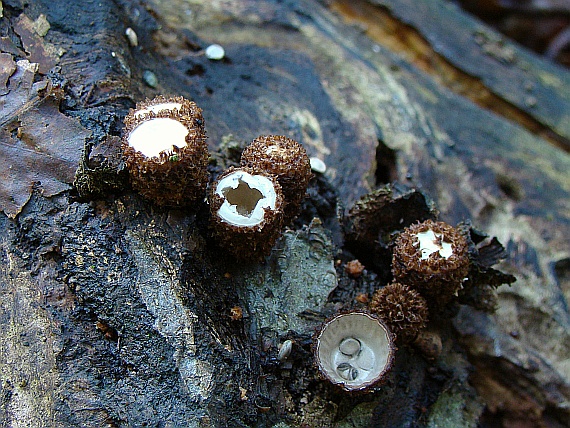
38,50
45,130
39,145
22,168
7,68
7,46
24,93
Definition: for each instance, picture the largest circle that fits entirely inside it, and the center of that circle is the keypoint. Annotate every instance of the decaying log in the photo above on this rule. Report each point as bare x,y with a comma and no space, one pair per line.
115,312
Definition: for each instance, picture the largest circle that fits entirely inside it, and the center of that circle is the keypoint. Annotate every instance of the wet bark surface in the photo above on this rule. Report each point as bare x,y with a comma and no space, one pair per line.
115,312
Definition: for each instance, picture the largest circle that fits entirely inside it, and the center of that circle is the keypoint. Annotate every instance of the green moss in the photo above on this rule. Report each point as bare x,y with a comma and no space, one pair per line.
457,408
98,175
360,416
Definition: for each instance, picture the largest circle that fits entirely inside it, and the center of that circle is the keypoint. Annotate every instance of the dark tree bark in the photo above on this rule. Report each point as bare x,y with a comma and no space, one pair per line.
115,312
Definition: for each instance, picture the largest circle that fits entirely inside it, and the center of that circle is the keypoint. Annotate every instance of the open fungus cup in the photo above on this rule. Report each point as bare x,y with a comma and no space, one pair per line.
354,351
433,258
246,208
165,151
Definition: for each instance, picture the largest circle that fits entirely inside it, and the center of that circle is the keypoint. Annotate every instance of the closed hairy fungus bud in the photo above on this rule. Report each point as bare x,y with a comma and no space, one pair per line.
354,351
164,147
431,257
246,212
286,159
403,309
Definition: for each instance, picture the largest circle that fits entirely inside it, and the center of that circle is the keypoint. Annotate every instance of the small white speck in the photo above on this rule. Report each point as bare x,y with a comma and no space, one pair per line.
375,48
150,78
132,37
215,52
318,165
285,350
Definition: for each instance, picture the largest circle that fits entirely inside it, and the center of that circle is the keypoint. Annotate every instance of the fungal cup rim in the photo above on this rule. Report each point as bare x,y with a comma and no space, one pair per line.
382,348
228,212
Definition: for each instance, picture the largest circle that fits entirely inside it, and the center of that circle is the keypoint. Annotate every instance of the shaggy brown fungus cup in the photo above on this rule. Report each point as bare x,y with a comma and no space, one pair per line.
431,257
246,209
286,159
354,351
164,147
403,309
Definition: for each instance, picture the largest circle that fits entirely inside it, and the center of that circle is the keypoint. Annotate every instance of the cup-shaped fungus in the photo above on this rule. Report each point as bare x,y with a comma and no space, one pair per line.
246,212
403,309
431,257
354,351
286,159
164,146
